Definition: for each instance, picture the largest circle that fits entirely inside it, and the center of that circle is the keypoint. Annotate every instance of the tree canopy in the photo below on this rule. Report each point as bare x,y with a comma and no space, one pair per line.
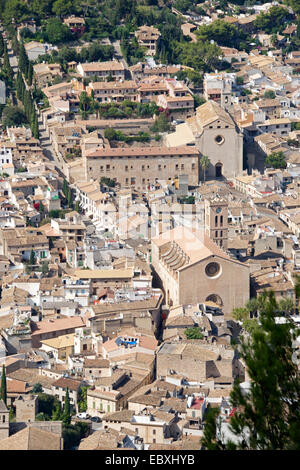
272,20
275,160
13,116
57,32
267,415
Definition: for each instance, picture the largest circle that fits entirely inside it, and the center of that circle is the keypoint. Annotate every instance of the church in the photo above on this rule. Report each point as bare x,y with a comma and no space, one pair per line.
193,266
214,133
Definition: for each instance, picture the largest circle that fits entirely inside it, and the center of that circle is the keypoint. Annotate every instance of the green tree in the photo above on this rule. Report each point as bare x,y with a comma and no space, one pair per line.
82,399
201,56
193,333
41,417
272,20
77,207
41,208
45,267
57,413
84,102
11,414
3,390
23,61
1,45
32,258
72,435
275,160
294,4
267,416
30,74
17,10
204,163
41,8
7,69
67,410
110,133
107,182
37,388
57,32
161,124
35,126
224,34
62,8
269,94
65,187
13,116
70,197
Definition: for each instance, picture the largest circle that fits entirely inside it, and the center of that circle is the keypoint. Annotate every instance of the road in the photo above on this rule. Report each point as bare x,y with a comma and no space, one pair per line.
119,56
47,146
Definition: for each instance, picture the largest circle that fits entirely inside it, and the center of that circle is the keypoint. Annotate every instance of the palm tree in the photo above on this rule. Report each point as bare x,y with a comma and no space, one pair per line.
204,162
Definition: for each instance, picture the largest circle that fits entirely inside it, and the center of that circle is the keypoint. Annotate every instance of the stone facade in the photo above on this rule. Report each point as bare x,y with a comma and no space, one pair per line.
26,408
138,167
4,421
193,269
214,134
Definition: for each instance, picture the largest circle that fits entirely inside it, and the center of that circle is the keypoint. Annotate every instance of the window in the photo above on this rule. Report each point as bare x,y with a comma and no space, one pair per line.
212,269
219,139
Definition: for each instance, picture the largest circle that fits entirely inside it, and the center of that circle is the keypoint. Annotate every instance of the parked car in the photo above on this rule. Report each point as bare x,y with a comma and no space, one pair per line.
96,419
83,415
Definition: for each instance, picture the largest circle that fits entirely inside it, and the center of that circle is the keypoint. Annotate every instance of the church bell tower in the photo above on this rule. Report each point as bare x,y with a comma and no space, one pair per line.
216,221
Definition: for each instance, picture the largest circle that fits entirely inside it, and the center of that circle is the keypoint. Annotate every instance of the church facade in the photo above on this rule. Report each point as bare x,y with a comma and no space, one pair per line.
214,133
193,269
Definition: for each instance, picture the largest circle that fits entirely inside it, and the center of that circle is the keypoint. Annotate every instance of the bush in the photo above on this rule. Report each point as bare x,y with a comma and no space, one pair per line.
107,182
193,333
161,124
269,94
275,160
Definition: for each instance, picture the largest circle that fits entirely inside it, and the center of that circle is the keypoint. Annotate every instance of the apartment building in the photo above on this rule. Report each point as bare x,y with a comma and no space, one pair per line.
107,92
112,68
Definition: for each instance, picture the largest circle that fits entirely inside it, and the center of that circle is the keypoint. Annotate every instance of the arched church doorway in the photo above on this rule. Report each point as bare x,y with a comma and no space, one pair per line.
216,299
218,168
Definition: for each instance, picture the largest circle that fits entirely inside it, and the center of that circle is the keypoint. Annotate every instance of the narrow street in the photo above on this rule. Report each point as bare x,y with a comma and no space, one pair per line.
47,146
119,55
